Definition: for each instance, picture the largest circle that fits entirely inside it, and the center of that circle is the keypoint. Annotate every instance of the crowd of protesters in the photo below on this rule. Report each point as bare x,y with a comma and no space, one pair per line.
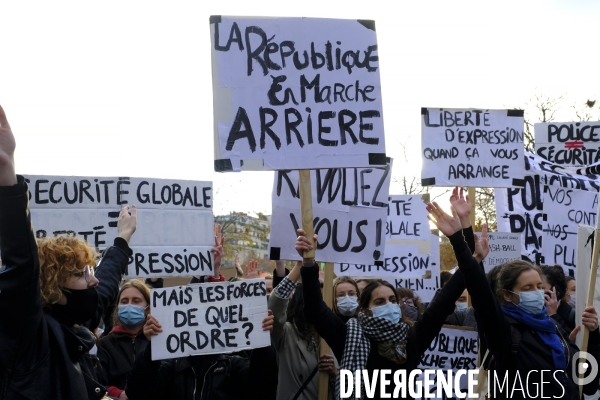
74,330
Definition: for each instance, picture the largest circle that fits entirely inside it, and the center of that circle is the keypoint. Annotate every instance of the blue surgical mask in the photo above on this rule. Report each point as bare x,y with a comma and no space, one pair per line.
462,306
347,305
531,302
131,315
389,311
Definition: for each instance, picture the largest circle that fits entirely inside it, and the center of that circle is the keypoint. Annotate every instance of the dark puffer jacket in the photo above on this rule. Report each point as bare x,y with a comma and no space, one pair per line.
39,357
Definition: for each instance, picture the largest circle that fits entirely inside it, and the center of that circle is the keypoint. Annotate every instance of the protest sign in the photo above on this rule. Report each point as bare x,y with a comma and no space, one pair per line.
574,144
566,209
522,211
296,93
349,208
174,232
504,247
408,243
469,147
454,348
209,318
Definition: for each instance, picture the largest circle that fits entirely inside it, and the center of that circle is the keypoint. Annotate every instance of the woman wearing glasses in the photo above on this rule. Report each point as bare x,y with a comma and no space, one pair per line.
50,296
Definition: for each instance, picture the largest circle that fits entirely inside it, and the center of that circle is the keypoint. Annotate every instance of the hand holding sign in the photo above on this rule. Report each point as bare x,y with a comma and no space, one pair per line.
482,246
462,205
267,324
590,318
447,224
151,327
7,151
127,223
327,364
252,270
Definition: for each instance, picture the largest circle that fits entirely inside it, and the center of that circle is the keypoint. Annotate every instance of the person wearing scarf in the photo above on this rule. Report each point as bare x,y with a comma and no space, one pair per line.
517,312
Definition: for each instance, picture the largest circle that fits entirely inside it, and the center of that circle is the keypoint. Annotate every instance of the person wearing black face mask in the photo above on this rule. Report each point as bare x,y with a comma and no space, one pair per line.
49,300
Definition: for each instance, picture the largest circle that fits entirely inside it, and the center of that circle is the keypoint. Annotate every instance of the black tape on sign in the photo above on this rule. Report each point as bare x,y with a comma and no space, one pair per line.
223,165
275,253
215,19
388,160
378,263
423,110
377,159
367,23
515,113
518,182
428,182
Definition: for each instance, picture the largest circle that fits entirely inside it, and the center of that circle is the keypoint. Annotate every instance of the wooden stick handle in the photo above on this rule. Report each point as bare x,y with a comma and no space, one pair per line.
306,208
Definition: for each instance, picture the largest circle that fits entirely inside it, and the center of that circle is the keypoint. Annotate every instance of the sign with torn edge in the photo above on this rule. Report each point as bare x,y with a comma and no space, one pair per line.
296,93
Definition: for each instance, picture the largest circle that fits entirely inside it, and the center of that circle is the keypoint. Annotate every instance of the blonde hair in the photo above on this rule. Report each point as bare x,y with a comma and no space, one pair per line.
344,279
131,283
59,259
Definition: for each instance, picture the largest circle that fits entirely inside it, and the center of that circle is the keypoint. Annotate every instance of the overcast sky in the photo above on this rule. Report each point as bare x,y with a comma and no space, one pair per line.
124,88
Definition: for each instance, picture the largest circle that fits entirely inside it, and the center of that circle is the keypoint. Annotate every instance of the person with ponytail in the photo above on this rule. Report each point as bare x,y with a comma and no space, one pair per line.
514,325
118,350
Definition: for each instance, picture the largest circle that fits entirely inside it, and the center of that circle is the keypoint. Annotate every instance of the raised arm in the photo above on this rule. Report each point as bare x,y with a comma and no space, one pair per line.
327,324
114,264
462,205
20,295
491,317
278,303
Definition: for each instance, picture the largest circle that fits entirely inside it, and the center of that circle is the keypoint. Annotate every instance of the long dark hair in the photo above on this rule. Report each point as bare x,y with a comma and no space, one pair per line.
295,314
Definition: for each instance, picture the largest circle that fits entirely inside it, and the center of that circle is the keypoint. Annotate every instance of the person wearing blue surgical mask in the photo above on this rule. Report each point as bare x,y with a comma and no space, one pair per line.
126,341
346,297
513,322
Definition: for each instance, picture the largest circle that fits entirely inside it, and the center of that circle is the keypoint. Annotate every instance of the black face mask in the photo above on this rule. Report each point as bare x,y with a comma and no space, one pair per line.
80,308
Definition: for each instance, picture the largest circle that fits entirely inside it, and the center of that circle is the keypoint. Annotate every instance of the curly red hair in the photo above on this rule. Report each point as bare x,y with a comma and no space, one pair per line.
59,258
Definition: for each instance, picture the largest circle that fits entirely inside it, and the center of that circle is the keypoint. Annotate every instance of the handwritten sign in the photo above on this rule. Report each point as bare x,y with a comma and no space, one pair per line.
470,147
522,210
349,210
453,349
568,208
209,318
174,233
296,93
504,247
585,246
575,144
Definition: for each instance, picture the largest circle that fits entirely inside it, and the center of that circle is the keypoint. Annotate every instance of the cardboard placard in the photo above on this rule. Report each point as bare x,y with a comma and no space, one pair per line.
504,247
349,209
209,318
175,229
470,147
296,93
574,144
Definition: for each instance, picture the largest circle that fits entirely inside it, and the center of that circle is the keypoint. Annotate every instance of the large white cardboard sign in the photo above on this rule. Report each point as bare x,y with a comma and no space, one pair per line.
470,147
296,93
566,210
349,211
174,232
585,246
454,348
209,318
504,247
575,144
522,210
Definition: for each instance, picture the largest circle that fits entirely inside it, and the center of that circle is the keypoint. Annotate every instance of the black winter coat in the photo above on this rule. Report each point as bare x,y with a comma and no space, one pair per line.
117,353
221,377
530,353
39,357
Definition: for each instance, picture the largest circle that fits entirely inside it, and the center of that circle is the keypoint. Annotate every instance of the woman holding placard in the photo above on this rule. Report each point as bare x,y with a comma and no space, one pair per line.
520,336
118,350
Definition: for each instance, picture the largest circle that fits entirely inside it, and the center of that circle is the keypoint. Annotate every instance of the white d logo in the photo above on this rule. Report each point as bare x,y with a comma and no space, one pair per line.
590,364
